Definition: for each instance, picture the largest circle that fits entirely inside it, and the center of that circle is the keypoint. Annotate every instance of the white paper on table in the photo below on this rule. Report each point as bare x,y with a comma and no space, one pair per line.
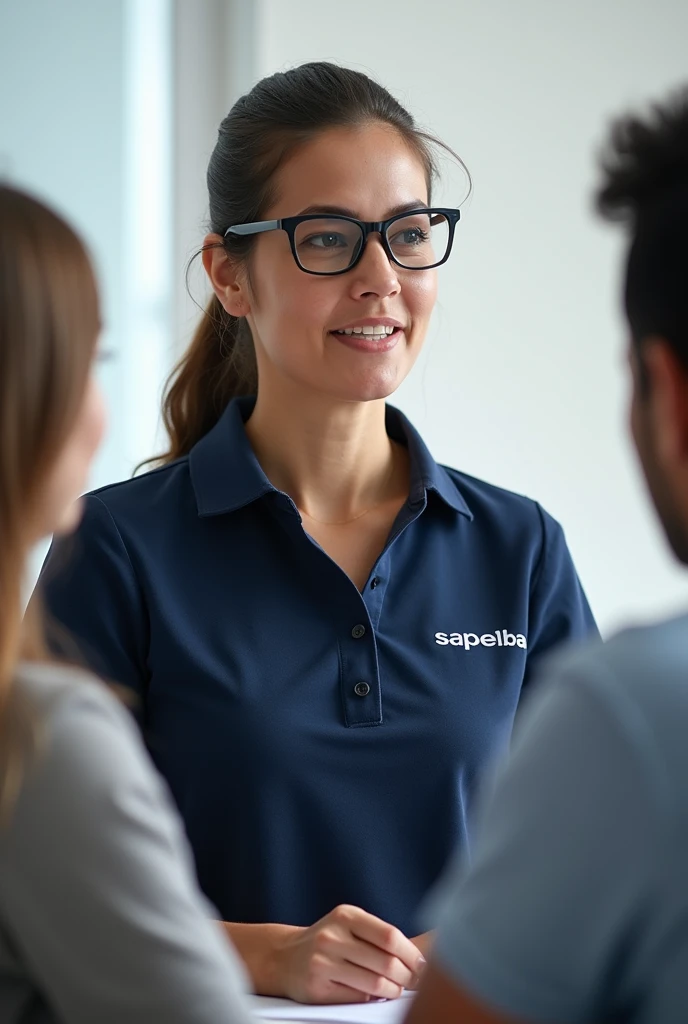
388,1011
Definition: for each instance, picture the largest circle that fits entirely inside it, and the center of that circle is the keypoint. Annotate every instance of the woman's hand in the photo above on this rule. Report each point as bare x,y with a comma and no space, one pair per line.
348,956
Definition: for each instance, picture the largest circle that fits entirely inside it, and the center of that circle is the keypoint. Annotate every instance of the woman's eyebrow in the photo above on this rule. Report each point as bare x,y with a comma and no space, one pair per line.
342,211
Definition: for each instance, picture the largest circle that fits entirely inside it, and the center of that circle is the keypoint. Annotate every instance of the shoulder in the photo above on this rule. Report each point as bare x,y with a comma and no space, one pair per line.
85,734
55,689
508,513
140,505
486,494
88,764
636,681
164,483
645,665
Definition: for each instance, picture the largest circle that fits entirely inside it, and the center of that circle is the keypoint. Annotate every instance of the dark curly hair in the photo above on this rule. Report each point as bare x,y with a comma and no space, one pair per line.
645,185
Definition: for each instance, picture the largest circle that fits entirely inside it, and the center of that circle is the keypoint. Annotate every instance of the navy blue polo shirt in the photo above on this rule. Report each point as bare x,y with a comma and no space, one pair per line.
323,744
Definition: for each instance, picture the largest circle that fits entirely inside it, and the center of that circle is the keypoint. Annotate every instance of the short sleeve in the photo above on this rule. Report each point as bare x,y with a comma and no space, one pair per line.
563,864
95,608
96,887
559,610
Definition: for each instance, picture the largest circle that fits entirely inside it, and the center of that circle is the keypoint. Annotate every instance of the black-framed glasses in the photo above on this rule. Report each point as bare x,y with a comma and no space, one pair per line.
328,244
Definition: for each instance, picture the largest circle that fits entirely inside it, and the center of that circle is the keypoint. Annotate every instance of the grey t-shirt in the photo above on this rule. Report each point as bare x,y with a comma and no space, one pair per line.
100,916
575,905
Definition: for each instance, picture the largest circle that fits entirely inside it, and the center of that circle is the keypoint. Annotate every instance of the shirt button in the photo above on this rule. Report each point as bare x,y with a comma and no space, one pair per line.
357,632
374,582
361,689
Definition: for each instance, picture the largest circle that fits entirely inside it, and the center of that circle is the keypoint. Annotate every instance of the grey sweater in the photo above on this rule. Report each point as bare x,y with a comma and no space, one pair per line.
101,920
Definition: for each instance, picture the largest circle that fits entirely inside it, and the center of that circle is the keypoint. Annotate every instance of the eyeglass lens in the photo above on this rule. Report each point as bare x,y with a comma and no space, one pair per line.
332,244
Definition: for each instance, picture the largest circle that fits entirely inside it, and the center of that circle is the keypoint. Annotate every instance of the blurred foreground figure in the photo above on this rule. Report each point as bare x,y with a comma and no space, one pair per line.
575,905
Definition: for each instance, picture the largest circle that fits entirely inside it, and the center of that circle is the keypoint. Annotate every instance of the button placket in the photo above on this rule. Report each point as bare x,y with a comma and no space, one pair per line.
360,679
374,593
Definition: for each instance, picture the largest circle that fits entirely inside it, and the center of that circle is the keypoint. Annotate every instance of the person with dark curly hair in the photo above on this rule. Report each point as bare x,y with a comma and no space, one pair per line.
575,905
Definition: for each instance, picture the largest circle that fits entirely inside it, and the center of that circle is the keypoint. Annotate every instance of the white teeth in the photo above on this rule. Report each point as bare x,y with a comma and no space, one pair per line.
375,332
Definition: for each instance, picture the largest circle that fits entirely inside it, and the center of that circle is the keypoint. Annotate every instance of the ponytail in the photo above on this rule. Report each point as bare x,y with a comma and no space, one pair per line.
219,365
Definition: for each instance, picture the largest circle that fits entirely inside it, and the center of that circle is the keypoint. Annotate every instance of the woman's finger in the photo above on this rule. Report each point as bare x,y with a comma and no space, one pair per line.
364,981
372,958
387,938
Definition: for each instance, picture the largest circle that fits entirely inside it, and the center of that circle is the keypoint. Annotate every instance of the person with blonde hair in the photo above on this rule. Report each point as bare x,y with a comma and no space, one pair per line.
100,917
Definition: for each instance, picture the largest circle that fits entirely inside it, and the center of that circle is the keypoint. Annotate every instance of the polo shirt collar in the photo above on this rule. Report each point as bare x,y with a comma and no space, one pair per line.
426,474
226,474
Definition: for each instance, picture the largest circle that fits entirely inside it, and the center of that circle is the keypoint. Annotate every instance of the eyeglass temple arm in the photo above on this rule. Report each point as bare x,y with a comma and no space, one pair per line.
256,228
455,214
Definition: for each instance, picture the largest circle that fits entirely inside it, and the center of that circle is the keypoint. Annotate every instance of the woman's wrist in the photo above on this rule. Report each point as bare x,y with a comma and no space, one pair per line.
263,949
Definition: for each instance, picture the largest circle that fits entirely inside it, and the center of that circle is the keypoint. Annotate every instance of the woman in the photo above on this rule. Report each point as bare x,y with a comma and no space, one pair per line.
100,919
329,632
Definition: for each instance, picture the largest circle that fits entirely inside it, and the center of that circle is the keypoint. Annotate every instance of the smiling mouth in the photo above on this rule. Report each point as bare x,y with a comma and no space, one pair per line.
382,331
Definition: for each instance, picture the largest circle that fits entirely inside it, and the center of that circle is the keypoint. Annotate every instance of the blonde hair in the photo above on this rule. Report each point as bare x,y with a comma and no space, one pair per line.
49,322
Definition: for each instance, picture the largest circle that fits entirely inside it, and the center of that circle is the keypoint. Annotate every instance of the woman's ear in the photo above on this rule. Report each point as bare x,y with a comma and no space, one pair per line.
226,276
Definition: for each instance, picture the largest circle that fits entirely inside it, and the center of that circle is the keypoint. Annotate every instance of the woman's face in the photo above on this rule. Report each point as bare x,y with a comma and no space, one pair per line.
369,173
59,508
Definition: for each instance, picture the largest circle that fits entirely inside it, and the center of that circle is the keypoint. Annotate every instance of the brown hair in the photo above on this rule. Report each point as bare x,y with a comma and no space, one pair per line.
49,324
261,130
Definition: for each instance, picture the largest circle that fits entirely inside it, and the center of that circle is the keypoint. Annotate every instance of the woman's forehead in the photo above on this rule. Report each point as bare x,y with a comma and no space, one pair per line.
369,170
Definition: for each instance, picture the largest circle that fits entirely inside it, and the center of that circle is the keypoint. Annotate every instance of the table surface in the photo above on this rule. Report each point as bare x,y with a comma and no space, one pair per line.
379,1012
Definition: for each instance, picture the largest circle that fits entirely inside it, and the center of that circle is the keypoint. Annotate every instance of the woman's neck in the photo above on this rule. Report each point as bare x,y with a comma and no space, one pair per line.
334,459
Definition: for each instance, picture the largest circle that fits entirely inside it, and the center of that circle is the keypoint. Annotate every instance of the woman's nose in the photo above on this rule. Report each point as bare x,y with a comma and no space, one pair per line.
375,273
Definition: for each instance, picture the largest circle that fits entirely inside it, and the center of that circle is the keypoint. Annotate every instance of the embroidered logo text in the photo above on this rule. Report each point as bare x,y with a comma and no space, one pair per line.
501,638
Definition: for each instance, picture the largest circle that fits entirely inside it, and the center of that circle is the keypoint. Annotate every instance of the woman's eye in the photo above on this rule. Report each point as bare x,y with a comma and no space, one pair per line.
328,241
410,236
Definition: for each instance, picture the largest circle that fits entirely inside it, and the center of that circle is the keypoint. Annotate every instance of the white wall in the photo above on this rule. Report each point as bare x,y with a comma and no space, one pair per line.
523,381
85,123
109,112
62,132
214,63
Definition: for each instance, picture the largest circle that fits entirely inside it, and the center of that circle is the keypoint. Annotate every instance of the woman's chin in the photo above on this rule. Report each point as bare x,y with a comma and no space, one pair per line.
373,387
